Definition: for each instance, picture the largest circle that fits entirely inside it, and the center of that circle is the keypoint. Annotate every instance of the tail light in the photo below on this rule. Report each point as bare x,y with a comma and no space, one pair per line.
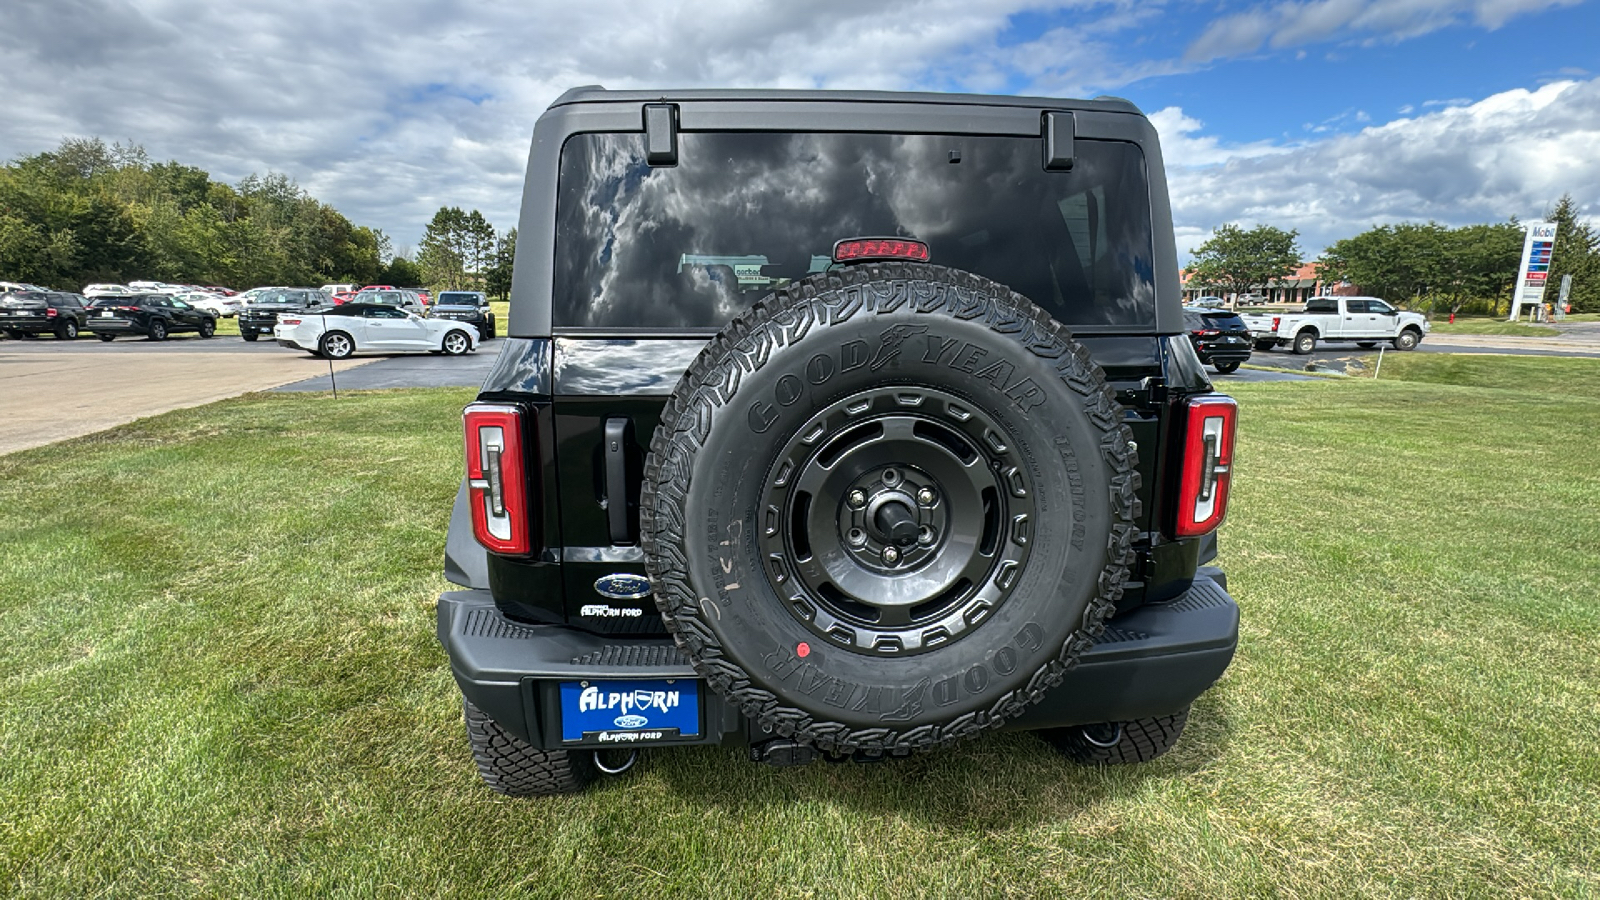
50,312
858,249
1275,321
1207,464
1210,332
496,481
288,321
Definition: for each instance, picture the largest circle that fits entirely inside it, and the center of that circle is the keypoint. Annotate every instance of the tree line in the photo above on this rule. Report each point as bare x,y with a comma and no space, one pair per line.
1429,267
90,212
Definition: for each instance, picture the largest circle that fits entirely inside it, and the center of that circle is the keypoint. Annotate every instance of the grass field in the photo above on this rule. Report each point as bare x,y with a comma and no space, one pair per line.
1538,374
220,679
1492,326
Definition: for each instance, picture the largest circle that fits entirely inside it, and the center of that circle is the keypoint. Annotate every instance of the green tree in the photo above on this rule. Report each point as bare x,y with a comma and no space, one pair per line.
442,255
1237,261
1576,253
497,281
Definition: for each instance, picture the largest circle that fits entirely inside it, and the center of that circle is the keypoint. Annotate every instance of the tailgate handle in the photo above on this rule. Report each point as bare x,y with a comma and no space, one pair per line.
618,437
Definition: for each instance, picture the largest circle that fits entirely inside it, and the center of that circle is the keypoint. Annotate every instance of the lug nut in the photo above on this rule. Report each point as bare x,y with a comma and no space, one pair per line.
857,498
925,496
891,555
925,536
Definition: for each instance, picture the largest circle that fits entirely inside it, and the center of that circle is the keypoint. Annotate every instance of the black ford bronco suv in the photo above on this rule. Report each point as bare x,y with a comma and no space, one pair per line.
837,425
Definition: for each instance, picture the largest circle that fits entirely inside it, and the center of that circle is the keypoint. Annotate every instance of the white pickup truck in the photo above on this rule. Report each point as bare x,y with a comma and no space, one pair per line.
1365,320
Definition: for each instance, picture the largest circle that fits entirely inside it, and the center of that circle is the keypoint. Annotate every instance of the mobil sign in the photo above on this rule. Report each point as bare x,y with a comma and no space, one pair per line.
1535,268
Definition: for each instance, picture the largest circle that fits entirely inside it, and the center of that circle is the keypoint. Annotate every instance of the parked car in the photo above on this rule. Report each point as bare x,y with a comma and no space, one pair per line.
893,503
339,331
333,289
1220,338
344,297
1365,320
30,313
262,313
226,292
155,316
1209,303
466,306
405,299
102,290
19,286
217,304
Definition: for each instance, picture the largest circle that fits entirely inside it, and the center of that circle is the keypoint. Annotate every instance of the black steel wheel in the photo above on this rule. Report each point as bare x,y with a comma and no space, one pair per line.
888,507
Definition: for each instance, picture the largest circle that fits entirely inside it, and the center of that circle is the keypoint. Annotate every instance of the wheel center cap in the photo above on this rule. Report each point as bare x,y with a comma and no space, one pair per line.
895,522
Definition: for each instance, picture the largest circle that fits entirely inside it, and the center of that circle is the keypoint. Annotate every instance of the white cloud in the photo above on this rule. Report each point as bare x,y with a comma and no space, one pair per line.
1511,154
1293,24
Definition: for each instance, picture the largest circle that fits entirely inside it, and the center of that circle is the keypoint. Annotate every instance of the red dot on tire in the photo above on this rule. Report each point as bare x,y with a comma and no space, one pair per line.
802,650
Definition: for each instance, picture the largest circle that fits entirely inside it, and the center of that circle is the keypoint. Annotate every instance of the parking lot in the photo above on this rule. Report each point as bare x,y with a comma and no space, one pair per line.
51,390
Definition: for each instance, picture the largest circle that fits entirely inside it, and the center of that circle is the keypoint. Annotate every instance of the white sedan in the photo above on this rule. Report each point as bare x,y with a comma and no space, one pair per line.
338,331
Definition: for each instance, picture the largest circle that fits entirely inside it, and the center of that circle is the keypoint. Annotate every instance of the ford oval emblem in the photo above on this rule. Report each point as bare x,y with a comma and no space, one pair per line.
623,587
631,721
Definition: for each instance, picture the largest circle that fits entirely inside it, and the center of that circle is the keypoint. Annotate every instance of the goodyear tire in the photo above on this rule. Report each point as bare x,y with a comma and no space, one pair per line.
1119,743
508,765
888,507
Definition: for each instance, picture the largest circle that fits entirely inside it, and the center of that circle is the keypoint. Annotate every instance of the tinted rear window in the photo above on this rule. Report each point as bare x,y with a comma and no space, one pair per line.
1224,321
693,245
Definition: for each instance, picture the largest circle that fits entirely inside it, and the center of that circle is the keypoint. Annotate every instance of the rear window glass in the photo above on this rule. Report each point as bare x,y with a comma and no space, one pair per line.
691,246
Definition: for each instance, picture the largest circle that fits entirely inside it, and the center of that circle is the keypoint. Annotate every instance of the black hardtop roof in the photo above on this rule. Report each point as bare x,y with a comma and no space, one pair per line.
594,93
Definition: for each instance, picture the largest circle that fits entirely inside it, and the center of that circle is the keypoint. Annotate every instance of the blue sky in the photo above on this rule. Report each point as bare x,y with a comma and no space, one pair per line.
1327,116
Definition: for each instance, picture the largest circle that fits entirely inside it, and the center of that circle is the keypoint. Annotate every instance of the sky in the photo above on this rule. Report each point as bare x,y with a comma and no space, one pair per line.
1325,116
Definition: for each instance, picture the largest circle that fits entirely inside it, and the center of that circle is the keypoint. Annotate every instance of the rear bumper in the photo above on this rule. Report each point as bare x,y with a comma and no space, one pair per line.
28,323
1151,661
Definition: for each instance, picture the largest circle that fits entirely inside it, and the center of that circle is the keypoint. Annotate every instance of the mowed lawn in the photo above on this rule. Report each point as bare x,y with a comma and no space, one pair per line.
220,679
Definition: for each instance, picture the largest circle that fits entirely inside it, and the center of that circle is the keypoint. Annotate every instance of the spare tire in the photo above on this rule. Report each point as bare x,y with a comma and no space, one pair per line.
888,507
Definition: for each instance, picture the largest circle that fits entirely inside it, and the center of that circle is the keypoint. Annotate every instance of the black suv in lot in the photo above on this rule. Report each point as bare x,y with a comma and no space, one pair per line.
841,425
155,316
466,306
259,315
1221,339
30,313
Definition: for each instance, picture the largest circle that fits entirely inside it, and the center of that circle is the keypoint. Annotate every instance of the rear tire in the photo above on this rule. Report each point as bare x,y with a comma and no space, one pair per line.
1227,368
1264,346
455,343
1119,743
250,336
108,338
67,331
208,328
509,766
336,345
158,330
1305,342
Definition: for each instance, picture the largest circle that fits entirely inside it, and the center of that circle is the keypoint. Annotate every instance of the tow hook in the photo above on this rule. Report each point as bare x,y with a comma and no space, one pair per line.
782,752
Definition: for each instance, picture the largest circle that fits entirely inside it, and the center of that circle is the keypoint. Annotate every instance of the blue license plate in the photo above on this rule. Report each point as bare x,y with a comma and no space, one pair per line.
630,712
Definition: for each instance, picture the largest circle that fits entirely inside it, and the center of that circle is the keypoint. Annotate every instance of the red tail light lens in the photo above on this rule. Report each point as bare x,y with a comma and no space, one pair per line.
860,249
283,321
1207,464
50,312
1275,321
1208,333
496,479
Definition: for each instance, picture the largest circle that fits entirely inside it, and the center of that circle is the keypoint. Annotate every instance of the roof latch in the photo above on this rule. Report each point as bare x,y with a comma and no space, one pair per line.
1059,128
661,134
